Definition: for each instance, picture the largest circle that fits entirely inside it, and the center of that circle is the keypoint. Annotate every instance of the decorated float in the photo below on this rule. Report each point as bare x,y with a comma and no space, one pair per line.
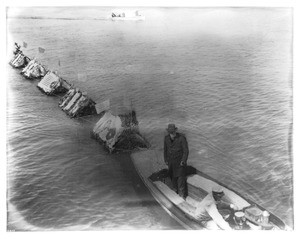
119,133
52,84
34,70
76,103
19,60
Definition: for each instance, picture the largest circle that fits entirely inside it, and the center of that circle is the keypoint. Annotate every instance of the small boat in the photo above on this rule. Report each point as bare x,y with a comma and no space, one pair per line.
119,133
34,70
52,84
127,16
152,170
19,60
77,104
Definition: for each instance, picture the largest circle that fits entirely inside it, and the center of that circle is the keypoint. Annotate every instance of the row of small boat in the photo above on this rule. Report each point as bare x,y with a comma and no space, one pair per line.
118,132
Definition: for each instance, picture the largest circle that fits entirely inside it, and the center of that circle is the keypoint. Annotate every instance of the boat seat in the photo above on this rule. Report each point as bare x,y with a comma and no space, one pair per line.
185,206
169,193
203,184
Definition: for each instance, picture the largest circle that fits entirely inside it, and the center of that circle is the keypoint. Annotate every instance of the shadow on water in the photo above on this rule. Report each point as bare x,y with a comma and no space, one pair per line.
139,89
81,196
138,185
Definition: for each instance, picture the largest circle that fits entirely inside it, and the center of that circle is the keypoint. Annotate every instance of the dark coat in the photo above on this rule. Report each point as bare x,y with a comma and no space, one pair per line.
176,151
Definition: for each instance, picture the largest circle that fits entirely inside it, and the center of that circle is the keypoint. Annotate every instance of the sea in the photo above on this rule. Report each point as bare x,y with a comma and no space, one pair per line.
222,75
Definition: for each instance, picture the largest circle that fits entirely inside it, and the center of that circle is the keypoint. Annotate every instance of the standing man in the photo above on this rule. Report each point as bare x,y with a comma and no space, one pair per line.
176,152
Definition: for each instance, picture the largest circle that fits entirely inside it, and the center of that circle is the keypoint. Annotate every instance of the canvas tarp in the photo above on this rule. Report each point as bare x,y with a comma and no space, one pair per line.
82,102
108,129
72,101
38,71
29,65
67,97
19,60
35,70
49,82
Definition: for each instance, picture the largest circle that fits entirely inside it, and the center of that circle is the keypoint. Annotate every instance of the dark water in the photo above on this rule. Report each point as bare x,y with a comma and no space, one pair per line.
223,76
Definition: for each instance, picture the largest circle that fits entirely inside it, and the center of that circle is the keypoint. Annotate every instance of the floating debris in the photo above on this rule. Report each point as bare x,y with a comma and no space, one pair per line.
53,84
76,104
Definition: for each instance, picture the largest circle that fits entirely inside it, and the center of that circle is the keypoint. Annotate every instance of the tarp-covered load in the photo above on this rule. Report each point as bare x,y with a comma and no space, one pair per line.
19,60
108,129
34,70
53,84
75,103
119,132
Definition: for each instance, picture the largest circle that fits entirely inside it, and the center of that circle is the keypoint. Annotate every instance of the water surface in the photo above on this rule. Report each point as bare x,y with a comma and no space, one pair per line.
222,75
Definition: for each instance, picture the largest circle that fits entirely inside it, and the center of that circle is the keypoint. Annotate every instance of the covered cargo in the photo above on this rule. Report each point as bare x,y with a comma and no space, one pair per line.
34,70
75,103
53,84
119,133
19,60
108,129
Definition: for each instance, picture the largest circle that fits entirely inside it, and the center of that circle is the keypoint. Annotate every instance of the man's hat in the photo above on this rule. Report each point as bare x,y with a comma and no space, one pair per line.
218,190
171,128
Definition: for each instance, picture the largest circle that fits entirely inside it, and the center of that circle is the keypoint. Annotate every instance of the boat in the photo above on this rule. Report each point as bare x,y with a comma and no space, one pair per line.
77,104
19,60
119,133
126,16
52,84
34,70
152,170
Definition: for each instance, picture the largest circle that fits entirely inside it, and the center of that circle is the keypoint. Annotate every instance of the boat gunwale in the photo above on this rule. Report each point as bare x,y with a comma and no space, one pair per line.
272,218
157,194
